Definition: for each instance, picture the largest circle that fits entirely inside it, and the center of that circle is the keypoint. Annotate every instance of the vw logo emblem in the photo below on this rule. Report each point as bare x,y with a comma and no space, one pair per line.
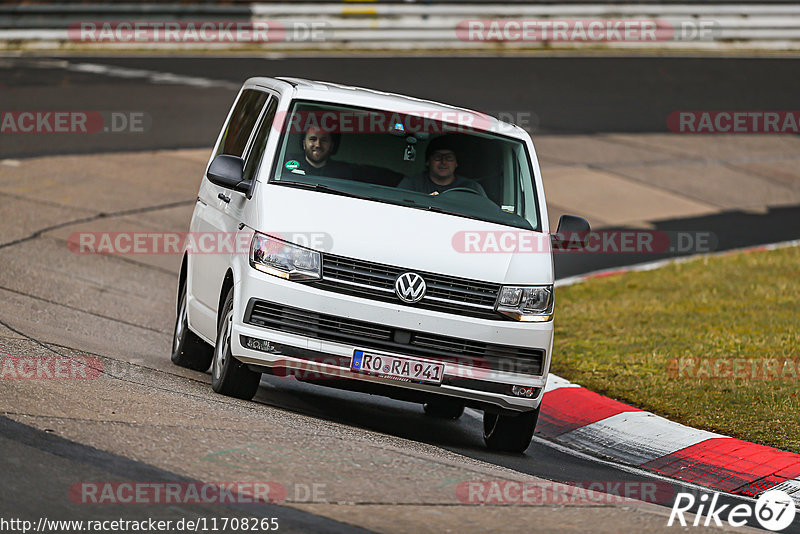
410,287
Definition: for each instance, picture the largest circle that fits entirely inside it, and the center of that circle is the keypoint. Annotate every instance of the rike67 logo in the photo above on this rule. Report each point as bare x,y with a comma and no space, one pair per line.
774,510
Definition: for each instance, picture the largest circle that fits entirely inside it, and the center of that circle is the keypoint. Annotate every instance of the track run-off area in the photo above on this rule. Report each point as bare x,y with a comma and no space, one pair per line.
330,460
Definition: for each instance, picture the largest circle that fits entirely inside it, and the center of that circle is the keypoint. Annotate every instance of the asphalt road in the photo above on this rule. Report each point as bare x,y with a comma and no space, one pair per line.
566,95
39,469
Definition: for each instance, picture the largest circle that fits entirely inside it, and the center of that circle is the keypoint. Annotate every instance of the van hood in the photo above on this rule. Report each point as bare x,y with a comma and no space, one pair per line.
405,237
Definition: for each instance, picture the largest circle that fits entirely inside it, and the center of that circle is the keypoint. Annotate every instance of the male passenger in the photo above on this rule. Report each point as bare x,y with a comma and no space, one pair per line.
318,146
439,174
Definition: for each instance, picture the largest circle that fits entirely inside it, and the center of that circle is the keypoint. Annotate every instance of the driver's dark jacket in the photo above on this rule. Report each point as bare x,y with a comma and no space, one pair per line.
421,183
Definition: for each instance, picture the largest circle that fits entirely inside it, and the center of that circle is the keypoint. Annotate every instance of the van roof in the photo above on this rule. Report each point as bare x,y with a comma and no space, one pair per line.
372,98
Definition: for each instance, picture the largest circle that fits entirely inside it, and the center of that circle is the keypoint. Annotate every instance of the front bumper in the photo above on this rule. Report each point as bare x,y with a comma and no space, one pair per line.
329,360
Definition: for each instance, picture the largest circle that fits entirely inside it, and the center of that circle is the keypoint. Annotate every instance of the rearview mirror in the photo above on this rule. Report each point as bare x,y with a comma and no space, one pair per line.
571,223
227,171
572,233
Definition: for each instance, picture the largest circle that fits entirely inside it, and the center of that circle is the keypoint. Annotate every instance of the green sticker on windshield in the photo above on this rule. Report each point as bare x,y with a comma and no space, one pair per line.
292,164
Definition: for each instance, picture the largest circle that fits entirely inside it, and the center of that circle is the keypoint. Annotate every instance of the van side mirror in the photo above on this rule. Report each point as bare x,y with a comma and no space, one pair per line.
227,171
572,233
571,223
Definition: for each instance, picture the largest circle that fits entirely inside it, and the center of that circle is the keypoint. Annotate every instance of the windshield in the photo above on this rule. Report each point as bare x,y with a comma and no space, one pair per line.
412,160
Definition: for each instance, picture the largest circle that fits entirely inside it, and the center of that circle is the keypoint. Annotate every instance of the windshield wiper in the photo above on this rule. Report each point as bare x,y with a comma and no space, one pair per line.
437,209
322,188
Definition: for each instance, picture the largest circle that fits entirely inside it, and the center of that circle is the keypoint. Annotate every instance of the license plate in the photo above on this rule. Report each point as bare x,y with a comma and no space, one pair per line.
397,367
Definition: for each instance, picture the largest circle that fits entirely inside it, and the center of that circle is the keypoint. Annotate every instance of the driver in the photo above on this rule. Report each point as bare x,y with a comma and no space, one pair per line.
439,174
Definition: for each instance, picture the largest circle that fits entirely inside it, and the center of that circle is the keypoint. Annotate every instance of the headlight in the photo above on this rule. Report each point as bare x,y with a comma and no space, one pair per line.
532,304
279,258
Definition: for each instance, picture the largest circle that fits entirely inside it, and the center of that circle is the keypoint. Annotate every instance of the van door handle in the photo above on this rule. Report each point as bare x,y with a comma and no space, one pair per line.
223,198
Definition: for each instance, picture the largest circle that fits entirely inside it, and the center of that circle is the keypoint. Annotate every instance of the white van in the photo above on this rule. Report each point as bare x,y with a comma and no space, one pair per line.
382,244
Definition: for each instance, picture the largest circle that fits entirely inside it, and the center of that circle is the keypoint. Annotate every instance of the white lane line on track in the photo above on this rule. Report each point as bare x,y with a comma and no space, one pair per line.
616,465
152,76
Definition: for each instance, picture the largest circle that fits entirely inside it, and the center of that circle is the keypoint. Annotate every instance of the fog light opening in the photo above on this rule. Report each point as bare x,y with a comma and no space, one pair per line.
524,391
258,344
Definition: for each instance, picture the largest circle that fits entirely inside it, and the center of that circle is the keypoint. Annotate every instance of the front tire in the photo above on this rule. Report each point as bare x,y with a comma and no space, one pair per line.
188,350
229,376
509,433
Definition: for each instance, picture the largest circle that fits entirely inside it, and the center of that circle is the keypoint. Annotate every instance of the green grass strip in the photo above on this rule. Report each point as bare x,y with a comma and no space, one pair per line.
711,343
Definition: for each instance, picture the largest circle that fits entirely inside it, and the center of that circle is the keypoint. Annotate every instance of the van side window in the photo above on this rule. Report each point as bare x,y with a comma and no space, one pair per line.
240,125
260,141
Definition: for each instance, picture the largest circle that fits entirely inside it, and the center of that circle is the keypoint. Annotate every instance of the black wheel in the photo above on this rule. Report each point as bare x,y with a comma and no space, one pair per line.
229,376
188,350
510,433
444,408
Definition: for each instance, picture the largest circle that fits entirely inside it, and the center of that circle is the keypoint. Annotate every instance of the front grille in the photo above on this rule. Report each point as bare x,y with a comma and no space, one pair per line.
481,356
376,281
